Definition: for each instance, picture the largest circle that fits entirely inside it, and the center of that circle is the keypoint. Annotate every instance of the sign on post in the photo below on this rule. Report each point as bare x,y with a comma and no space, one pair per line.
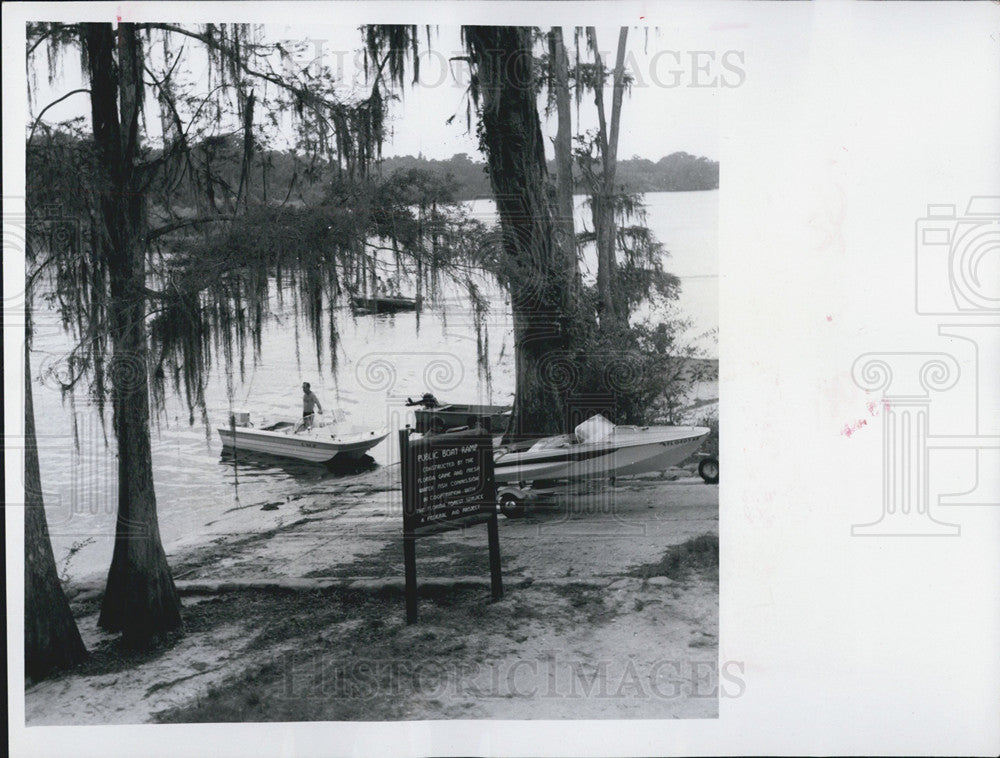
448,483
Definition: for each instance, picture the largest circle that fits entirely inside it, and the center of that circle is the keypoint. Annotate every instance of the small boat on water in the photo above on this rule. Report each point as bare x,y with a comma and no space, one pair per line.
288,439
383,304
598,449
432,416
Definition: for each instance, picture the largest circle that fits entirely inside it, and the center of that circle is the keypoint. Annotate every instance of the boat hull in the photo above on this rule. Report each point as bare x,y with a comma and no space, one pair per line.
452,415
626,452
384,304
316,448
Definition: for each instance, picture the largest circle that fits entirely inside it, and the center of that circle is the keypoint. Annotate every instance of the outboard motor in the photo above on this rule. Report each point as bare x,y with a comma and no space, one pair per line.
427,401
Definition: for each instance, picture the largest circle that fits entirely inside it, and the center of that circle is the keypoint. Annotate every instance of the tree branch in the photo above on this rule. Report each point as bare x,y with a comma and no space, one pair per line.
214,44
38,120
167,228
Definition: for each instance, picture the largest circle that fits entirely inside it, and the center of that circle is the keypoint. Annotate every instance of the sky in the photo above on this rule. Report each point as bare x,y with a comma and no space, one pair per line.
661,114
672,104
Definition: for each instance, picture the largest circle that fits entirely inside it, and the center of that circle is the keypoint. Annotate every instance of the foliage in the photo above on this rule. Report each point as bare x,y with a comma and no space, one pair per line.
115,284
696,557
211,289
652,367
401,230
192,176
280,169
230,218
710,445
677,172
635,373
186,233
223,228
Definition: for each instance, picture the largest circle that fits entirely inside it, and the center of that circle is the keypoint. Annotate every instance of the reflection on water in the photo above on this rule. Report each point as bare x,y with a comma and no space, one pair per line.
248,465
381,360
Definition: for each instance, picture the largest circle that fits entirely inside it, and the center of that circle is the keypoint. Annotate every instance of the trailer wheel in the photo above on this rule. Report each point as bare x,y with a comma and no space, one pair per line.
708,470
511,506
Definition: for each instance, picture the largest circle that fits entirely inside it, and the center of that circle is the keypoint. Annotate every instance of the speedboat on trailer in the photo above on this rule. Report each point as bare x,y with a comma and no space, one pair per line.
599,449
288,439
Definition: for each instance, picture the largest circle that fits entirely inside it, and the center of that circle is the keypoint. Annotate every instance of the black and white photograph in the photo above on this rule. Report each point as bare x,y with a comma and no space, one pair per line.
255,255
370,369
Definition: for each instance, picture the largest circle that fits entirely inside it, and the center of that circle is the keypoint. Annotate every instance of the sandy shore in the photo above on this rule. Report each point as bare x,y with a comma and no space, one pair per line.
297,613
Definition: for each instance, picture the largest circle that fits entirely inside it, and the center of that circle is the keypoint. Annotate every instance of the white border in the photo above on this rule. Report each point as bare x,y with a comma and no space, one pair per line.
853,117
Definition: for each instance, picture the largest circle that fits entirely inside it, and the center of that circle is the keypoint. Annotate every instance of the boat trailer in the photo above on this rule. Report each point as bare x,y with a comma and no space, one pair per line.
514,499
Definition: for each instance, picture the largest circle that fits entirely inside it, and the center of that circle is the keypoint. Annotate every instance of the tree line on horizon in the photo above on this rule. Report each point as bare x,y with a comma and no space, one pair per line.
467,176
677,172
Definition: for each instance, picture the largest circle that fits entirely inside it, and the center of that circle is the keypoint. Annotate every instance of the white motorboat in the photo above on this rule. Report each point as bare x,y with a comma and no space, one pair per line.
599,449
289,439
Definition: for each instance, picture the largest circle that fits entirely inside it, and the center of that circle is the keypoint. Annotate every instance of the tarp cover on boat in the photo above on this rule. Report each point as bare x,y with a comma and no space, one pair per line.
594,429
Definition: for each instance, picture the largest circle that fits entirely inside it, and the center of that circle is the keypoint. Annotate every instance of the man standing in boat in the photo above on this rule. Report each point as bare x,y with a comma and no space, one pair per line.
310,403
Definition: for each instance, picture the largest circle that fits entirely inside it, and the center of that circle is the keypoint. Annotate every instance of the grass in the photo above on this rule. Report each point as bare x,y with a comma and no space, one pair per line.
436,556
586,599
698,556
289,690
334,656
340,655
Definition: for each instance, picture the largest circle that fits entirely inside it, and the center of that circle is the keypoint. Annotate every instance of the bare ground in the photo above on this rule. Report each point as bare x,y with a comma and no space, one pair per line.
610,611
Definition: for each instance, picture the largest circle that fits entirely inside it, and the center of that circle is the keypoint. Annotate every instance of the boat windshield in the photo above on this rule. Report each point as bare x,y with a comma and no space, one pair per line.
594,429
562,440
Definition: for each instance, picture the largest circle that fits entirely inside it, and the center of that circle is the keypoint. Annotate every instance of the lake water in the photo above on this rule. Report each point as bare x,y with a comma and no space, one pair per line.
381,360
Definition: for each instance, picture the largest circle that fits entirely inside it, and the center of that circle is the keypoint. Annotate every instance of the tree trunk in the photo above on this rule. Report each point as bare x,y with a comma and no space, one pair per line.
140,600
51,638
610,172
564,162
512,137
611,304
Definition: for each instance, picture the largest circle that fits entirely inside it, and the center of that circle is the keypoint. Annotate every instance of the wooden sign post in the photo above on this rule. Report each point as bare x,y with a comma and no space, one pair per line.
447,484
